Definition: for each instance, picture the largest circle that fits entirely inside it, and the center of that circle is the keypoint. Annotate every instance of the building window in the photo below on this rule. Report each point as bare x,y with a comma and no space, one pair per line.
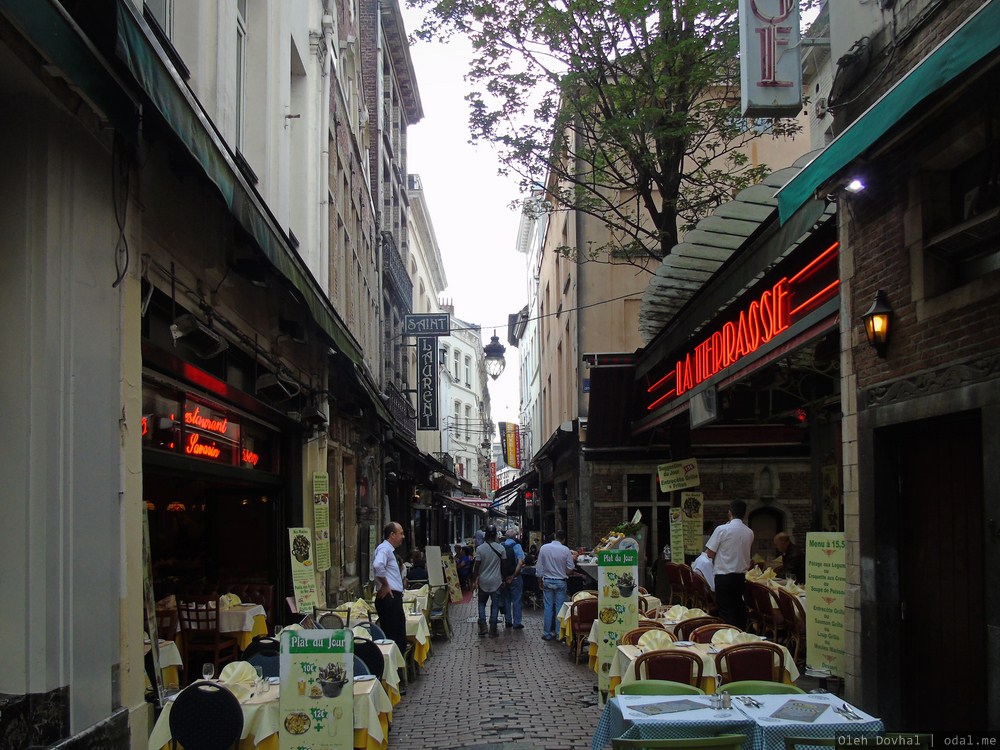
163,12
468,423
241,72
455,365
468,372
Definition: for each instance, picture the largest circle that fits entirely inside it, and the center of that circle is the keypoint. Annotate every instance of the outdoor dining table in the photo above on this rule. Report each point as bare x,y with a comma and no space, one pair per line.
622,669
170,662
566,627
261,718
393,662
594,638
243,622
418,631
808,715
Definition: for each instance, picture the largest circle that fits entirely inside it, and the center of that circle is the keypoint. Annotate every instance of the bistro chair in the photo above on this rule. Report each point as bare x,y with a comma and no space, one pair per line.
704,597
206,716
333,621
439,609
687,575
769,618
751,661
645,622
266,644
704,633
795,624
377,634
582,614
719,742
631,638
360,667
370,654
658,687
686,627
762,687
676,583
669,664
199,618
166,624
793,743
269,661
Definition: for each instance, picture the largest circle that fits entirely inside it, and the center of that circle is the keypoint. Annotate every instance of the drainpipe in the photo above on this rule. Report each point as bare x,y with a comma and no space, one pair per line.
585,516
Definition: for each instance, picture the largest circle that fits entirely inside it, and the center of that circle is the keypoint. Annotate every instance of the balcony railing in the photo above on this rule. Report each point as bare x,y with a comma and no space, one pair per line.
404,416
395,273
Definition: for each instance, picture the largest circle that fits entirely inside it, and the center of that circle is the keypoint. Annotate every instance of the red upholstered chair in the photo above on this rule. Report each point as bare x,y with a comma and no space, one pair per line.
687,576
751,661
704,597
669,664
704,633
684,629
645,622
582,614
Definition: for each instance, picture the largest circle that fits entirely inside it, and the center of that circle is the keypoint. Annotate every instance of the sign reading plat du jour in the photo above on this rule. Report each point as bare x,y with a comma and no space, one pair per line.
617,606
316,703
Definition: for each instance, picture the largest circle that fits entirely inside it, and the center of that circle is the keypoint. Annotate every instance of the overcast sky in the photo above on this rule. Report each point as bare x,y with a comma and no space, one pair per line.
468,203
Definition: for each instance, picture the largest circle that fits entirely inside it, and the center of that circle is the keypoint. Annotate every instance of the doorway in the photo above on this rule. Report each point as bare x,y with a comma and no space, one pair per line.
938,467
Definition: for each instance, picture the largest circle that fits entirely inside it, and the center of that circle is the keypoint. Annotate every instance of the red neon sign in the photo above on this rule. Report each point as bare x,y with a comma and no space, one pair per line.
195,447
765,318
249,457
195,419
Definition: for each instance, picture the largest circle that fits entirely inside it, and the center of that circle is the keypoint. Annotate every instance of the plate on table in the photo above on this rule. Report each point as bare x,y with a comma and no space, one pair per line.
683,643
384,641
364,677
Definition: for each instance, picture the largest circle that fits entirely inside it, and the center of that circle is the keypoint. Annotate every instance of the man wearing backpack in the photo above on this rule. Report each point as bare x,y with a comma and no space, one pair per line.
487,577
513,586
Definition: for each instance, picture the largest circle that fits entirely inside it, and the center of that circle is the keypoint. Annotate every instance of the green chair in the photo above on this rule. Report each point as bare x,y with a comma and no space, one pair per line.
721,742
909,739
793,743
658,687
759,687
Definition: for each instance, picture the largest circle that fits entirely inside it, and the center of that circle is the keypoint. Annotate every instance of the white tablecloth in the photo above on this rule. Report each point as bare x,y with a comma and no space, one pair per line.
239,618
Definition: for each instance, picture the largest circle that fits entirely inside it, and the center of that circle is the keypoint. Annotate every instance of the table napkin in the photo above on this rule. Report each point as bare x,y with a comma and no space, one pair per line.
239,677
653,640
692,613
582,595
229,600
676,612
729,636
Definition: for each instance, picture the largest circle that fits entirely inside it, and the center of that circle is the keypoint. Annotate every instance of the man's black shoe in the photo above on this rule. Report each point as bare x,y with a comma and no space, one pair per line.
519,627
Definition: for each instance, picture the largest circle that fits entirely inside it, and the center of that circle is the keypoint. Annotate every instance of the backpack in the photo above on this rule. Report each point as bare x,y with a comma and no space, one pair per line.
508,563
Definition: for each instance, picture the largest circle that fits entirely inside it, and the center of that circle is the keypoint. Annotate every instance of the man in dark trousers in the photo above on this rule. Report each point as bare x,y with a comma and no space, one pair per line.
389,594
729,549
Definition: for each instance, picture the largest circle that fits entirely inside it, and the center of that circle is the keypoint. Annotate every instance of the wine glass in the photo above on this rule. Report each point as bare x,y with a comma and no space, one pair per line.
207,670
259,682
277,630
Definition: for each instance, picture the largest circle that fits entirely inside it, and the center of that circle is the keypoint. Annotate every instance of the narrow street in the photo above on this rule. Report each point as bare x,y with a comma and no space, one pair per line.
515,691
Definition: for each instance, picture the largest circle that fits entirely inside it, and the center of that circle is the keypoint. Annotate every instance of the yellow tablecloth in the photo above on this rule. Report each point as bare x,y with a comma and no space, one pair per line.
390,672
372,714
623,666
419,632
170,662
243,622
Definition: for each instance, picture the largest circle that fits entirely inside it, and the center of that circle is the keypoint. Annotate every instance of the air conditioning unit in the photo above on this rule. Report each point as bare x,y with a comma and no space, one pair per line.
820,107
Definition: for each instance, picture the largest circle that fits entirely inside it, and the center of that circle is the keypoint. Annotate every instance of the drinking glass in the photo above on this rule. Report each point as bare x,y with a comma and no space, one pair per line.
277,630
207,670
259,686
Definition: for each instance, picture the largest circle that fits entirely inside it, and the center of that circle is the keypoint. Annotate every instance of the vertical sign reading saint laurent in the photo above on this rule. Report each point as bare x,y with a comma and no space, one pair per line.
427,383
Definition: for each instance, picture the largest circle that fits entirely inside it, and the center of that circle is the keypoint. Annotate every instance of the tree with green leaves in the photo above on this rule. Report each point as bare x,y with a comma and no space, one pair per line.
626,110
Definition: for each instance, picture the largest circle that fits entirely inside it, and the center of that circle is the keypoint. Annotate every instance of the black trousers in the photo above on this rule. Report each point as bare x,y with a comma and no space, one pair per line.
392,619
729,597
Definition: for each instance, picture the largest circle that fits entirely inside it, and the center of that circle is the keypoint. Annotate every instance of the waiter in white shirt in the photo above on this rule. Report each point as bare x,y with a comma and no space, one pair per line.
729,549
389,594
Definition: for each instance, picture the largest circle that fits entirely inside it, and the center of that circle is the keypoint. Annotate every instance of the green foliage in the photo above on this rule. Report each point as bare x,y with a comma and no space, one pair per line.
626,110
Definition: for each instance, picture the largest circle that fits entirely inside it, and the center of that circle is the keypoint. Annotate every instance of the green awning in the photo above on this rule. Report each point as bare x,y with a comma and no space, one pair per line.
142,55
974,40
52,31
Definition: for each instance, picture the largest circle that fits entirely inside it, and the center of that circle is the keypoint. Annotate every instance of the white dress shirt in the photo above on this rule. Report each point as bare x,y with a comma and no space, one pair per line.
384,565
731,542
703,564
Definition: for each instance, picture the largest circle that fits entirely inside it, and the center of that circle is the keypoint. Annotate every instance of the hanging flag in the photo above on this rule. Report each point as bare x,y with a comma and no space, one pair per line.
494,482
510,443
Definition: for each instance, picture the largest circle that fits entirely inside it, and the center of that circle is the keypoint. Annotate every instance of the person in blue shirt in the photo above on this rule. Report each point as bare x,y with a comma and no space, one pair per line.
513,585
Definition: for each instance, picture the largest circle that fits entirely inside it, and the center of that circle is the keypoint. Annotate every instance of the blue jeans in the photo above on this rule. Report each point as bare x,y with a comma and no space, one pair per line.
553,595
494,599
511,597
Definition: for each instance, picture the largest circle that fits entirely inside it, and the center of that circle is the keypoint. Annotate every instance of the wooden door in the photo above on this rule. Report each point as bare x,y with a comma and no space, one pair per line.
942,577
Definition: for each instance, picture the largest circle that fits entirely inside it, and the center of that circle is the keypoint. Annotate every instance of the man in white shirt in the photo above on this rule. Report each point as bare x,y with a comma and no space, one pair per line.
703,564
389,594
729,548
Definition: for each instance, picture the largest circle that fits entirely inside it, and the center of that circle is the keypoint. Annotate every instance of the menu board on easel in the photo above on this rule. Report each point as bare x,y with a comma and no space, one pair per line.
826,581
303,569
316,702
321,519
149,604
617,606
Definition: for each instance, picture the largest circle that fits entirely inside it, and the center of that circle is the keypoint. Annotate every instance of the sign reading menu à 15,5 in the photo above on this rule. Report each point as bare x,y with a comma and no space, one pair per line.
826,579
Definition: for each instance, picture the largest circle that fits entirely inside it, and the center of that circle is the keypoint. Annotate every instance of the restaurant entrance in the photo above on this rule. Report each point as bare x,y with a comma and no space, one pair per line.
937,465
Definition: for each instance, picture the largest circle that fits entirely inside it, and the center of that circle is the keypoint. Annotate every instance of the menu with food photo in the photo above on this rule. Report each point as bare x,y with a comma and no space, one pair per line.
301,554
316,702
617,606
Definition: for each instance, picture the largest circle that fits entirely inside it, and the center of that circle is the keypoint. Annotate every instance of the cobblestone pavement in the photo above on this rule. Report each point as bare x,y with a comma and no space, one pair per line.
515,692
